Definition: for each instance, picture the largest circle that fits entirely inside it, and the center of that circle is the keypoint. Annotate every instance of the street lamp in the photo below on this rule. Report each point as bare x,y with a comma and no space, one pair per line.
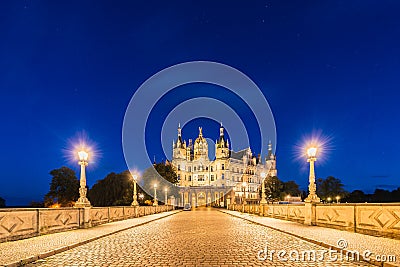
312,188
329,199
234,195
166,196
155,195
83,161
244,185
337,199
263,200
134,202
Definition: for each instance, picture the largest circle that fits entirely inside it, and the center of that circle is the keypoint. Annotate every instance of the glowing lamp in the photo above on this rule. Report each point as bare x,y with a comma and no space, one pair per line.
83,155
312,152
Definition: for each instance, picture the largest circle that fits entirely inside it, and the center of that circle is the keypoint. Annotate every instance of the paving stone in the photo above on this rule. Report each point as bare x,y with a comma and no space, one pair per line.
203,237
329,236
14,251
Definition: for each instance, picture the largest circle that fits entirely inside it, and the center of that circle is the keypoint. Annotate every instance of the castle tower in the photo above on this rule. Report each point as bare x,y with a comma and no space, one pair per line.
270,162
221,145
179,147
200,146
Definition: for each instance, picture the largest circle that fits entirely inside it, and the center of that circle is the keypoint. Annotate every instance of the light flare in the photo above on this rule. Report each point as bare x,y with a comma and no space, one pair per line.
317,145
80,147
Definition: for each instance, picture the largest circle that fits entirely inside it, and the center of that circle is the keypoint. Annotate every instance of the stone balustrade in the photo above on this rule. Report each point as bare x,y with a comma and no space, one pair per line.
23,223
376,219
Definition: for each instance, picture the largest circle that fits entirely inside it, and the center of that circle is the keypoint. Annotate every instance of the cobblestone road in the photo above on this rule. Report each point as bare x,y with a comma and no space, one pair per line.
203,237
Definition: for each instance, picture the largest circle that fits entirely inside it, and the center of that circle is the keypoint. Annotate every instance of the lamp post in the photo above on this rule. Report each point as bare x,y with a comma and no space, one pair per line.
337,199
155,195
312,188
134,202
83,161
263,200
244,185
234,195
166,196
329,199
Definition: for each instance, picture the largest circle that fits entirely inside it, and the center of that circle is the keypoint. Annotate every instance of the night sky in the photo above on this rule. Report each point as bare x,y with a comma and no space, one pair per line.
70,68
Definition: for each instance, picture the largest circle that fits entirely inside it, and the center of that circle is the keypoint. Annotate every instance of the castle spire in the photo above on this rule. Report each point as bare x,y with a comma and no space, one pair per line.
200,132
179,130
269,149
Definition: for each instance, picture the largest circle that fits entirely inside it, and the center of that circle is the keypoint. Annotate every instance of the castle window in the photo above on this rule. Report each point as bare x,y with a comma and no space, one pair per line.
223,176
241,170
212,168
179,177
190,168
194,168
237,169
190,178
179,167
212,177
223,166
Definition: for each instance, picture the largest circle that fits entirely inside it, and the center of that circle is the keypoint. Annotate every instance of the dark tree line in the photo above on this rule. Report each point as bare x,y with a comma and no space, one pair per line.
330,187
2,202
276,190
117,189
379,196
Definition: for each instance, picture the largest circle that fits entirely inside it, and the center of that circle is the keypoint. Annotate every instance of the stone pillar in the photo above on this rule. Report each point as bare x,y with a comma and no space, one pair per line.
262,209
86,221
310,213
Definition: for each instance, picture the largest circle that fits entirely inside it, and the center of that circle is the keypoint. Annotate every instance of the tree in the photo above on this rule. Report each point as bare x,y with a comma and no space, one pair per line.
291,188
330,187
381,196
167,172
2,202
273,188
357,196
395,195
114,190
64,188
35,204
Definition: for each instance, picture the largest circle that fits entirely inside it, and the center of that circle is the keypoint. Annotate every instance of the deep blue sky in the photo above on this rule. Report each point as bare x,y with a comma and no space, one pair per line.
72,66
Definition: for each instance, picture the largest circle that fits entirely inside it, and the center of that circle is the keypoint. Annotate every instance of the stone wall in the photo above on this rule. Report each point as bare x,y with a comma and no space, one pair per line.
23,223
368,218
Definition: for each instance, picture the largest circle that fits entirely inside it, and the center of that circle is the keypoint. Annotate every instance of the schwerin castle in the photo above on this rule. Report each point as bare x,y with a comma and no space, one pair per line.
231,178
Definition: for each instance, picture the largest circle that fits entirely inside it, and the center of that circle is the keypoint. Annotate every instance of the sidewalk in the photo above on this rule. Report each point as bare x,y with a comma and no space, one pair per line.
328,237
16,253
